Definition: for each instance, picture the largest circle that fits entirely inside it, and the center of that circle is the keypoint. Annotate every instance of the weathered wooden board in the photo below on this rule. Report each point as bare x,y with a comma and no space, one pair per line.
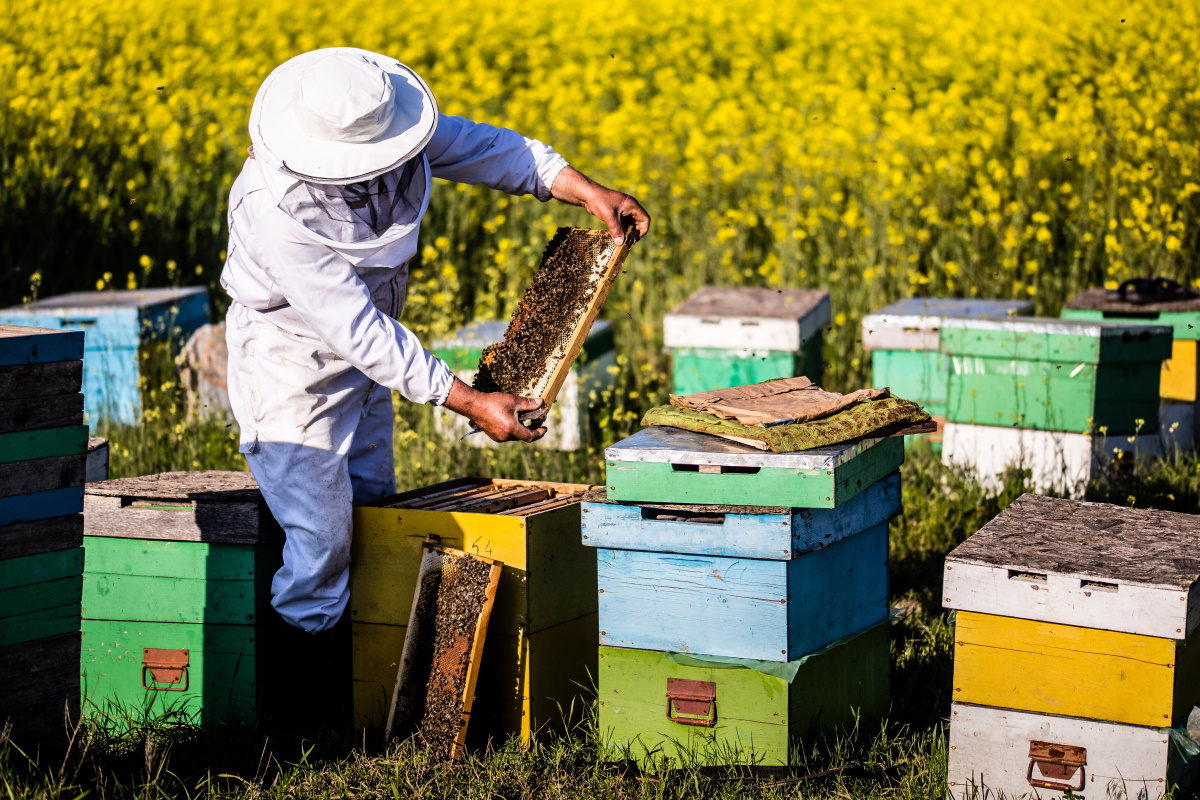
222,680
1060,340
46,620
34,672
41,505
1076,397
990,757
914,323
42,474
759,718
1076,672
41,536
1084,564
36,413
700,369
41,380
41,567
21,344
743,607
660,465
47,443
47,726
1058,463
746,532
747,318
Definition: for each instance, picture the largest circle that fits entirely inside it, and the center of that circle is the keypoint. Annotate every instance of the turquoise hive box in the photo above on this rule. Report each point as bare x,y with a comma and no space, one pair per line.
119,325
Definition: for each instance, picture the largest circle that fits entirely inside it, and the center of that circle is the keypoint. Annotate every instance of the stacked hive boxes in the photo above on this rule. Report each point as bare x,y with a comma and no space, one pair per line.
903,341
120,326
43,450
539,656
1180,378
1077,657
743,592
725,336
567,426
1056,397
176,602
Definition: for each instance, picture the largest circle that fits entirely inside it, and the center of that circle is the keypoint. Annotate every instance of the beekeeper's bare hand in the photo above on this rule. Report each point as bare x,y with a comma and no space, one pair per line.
615,209
494,412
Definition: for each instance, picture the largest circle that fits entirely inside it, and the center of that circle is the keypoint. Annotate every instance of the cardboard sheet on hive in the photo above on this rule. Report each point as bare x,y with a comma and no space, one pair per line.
435,684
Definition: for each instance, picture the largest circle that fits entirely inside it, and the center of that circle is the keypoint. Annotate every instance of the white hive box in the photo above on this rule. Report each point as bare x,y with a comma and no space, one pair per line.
916,322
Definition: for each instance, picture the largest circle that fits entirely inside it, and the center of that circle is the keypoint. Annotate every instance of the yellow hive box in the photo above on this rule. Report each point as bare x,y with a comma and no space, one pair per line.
1179,377
540,650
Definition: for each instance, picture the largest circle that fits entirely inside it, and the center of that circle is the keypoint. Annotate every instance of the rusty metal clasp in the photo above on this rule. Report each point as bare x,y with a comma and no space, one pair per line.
696,701
168,670
1057,761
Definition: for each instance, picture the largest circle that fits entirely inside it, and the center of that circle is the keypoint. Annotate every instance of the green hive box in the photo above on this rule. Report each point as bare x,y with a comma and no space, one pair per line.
1055,375
176,602
656,705
726,336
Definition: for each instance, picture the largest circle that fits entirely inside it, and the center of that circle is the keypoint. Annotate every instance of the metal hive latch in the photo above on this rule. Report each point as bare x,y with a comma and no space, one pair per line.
1057,761
692,702
167,670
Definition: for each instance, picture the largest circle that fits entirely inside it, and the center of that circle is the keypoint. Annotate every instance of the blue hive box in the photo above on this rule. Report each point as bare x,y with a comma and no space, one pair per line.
117,325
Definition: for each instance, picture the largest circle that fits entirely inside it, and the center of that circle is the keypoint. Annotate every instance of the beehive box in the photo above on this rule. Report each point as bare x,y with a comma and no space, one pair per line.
119,325
1179,374
1058,463
670,465
656,705
540,651
1057,375
43,446
773,584
903,341
997,752
176,601
732,336
567,425
1079,610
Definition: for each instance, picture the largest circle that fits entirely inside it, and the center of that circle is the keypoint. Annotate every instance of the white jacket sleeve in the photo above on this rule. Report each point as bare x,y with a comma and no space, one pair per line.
325,290
475,152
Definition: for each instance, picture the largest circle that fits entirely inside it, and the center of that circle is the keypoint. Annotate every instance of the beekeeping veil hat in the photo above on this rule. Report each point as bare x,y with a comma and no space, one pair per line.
341,115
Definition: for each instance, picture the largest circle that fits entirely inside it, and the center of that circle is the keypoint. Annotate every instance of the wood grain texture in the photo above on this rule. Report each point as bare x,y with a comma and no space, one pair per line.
41,380
167,559
186,520
41,505
1061,669
741,607
30,657
736,531
41,536
42,474
36,413
223,672
631,481
215,485
27,445
989,755
47,620
26,345
760,718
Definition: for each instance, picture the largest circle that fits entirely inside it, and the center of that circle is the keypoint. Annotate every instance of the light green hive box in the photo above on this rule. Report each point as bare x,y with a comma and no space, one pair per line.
176,600
733,336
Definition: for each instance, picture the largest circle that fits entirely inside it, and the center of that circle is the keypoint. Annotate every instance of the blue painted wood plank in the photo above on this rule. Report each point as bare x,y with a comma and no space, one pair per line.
41,505
783,535
20,344
742,607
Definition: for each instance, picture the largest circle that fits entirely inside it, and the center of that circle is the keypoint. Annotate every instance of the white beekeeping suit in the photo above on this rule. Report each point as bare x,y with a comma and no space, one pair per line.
323,220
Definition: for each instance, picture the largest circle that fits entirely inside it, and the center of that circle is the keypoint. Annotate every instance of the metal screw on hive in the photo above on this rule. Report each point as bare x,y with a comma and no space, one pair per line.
550,325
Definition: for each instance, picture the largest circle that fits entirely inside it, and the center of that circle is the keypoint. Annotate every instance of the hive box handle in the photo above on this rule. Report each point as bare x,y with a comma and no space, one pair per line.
168,670
692,702
1058,761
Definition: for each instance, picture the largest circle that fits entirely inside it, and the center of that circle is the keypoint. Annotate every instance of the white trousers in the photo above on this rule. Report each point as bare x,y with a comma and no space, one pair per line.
317,434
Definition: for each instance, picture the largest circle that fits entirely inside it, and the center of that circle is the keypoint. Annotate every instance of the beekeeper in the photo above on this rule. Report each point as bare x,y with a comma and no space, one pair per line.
323,221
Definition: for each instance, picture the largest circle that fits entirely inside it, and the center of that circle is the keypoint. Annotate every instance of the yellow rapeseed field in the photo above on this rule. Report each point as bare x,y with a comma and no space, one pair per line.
880,149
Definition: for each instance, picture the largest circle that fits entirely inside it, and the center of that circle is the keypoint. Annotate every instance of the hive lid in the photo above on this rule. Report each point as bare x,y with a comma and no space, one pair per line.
663,445
913,323
126,298
21,345
1101,299
1087,564
1052,339
742,317
209,485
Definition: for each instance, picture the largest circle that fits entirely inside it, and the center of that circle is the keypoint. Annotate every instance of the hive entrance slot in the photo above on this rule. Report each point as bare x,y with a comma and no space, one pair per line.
1023,575
682,515
715,469
1098,586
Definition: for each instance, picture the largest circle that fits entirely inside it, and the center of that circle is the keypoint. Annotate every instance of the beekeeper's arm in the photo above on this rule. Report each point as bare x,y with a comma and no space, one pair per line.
475,152
324,288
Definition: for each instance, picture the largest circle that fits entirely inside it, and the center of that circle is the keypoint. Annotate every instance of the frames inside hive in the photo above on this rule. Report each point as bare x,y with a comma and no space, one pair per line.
555,316
435,684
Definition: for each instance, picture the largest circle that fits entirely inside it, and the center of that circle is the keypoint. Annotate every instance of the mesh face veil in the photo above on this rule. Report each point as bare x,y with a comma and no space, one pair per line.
359,212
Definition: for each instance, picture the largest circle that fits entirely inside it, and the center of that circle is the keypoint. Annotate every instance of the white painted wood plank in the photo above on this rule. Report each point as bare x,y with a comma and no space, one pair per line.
1066,600
989,755
732,333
